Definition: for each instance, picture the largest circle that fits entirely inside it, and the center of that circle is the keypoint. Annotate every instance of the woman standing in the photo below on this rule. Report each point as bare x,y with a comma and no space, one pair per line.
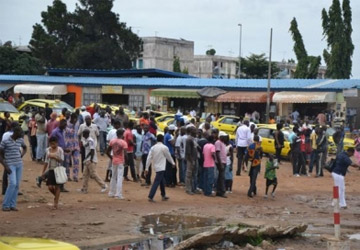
54,158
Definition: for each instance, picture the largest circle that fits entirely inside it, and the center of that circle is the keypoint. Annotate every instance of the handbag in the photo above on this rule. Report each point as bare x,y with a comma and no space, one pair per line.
330,165
60,175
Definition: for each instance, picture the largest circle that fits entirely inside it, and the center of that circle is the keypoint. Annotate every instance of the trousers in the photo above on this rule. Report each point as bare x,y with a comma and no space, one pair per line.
116,180
90,172
339,181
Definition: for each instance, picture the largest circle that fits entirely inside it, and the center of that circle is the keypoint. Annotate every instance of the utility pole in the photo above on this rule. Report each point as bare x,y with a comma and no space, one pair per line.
240,25
269,83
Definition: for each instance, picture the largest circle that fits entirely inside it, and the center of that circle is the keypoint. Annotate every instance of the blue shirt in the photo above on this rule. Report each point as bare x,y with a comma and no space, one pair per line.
167,141
342,163
148,141
59,134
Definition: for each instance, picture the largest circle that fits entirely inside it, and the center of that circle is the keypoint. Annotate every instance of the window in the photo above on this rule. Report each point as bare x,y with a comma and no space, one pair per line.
140,64
136,101
264,133
89,98
231,121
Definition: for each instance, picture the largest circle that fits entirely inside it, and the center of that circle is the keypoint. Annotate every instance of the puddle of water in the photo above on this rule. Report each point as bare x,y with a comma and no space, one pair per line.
149,244
164,223
354,236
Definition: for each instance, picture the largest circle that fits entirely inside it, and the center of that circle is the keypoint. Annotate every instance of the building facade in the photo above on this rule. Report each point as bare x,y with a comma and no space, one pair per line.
207,66
159,53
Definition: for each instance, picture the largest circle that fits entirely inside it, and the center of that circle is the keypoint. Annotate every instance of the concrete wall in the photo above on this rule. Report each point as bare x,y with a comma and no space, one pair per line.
206,66
159,53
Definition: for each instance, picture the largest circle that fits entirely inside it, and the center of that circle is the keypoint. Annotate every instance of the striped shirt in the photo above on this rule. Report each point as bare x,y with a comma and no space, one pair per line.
12,153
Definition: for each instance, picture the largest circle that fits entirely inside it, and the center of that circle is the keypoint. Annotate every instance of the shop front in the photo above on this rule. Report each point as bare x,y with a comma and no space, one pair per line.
240,102
308,104
173,99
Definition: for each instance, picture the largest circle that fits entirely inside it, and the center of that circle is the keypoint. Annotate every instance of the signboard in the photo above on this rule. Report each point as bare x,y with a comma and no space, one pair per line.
111,89
350,93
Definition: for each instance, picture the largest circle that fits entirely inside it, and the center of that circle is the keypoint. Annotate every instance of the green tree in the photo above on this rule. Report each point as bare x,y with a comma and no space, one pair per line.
307,66
256,67
185,70
211,52
176,64
91,37
337,30
13,62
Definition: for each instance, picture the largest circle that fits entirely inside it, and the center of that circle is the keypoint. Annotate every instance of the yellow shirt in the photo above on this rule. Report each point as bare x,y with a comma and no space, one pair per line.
313,138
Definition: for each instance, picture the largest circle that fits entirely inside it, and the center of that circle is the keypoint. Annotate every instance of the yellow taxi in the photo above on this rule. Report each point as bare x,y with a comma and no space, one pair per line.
228,124
348,142
7,107
17,243
268,141
162,125
56,105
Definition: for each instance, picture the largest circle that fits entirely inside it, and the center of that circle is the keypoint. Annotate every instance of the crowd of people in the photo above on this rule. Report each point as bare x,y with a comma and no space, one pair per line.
200,158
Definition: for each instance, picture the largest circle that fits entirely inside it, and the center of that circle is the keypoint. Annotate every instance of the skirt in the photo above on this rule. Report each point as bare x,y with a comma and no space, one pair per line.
51,181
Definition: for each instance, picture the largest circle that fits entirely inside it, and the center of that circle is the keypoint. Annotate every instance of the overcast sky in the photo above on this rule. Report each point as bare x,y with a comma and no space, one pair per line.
209,23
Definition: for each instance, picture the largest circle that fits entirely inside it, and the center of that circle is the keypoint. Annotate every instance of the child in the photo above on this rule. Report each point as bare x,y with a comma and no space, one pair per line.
118,147
54,158
90,161
254,155
228,168
270,175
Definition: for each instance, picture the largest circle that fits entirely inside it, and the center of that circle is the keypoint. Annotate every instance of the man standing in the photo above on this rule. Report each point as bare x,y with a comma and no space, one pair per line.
279,141
243,139
157,157
170,172
254,155
102,123
40,135
93,132
191,161
342,163
129,139
110,136
321,118
48,111
220,161
147,142
180,152
11,153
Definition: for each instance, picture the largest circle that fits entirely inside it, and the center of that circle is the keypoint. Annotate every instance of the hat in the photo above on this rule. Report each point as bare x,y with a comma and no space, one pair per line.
222,133
83,108
172,127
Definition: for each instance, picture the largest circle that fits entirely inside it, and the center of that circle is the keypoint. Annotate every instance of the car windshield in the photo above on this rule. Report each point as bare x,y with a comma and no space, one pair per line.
7,107
61,105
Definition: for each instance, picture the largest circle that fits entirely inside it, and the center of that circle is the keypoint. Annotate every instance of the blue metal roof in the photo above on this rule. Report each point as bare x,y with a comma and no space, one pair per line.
117,73
228,84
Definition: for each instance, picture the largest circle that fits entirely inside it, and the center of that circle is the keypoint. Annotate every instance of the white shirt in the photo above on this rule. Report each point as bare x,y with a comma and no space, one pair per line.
89,144
157,157
181,143
94,132
84,114
6,135
243,136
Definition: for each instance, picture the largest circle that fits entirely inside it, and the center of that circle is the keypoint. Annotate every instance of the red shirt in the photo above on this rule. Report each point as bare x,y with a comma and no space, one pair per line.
128,136
302,144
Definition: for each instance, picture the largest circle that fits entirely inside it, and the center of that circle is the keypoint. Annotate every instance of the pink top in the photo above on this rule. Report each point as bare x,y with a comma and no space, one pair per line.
128,136
221,147
118,146
51,125
208,151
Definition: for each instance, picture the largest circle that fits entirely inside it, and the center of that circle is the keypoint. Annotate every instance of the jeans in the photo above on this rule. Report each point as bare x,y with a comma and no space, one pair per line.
208,177
220,187
33,143
11,194
254,171
200,176
170,173
159,180
148,177
182,170
116,180
102,136
191,175
41,146
313,159
90,172
240,155
130,163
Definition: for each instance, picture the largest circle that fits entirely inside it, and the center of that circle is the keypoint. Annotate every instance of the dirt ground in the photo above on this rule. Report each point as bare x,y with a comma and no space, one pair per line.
86,219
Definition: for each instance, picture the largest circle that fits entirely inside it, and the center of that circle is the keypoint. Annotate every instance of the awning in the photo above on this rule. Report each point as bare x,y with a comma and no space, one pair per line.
41,89
243,96
210,92
175,93
304,97
4,87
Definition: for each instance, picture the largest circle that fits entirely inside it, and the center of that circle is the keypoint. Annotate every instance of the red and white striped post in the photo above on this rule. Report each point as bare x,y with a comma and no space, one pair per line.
336,212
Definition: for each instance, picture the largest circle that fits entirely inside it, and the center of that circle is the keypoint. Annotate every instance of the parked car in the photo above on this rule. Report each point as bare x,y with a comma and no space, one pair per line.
7,107
228,124
18,243
56,105
268,141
